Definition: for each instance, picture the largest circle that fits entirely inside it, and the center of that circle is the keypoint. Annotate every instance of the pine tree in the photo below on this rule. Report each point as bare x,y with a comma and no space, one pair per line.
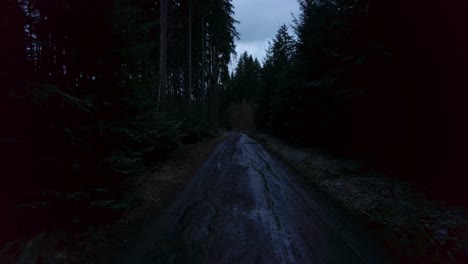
245,79
275,78
81,78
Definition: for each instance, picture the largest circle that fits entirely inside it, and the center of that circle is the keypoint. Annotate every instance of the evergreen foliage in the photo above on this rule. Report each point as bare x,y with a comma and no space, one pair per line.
378,80
79,82
245,79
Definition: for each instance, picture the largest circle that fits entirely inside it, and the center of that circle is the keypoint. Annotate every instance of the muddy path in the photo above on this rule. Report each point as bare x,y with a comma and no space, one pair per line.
245,206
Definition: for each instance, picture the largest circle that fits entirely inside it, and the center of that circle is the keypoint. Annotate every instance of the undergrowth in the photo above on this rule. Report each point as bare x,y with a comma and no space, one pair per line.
414,228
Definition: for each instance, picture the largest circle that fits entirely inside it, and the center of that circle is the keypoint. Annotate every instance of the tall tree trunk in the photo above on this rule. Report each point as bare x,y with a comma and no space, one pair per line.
203,81
213,79
210,85
146,58
162,54
189,57
215,75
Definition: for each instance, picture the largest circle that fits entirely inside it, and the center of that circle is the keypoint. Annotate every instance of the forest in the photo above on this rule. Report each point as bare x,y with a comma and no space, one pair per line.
377,80
93,91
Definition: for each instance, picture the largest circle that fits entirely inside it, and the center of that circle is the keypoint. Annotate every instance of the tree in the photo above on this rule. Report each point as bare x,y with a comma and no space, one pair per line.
189,56
87,102
219,37
275,79
244,83
162,53
366,84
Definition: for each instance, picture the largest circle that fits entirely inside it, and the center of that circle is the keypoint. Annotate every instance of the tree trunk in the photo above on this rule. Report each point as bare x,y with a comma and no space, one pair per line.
203,81
146,58
210,85
189,57
162,55
215,76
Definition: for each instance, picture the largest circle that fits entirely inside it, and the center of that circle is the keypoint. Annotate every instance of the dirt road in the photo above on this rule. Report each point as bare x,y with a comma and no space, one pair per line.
245,206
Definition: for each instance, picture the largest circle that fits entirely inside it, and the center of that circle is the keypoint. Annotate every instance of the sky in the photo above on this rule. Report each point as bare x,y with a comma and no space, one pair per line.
259,21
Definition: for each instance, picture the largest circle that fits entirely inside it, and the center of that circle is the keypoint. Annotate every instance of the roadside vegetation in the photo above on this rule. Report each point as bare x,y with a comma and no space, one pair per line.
413,227
369,93
94,97
381,81
146,193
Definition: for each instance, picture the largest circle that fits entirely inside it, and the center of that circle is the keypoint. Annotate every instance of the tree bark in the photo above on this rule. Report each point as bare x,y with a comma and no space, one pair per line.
215,76
203,66
189,57
162,55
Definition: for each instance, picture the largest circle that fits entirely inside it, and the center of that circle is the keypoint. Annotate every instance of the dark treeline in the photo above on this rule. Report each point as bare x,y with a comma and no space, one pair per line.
383,81
91,91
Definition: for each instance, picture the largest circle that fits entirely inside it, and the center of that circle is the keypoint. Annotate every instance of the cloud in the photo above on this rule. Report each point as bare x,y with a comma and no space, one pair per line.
256,48
259,21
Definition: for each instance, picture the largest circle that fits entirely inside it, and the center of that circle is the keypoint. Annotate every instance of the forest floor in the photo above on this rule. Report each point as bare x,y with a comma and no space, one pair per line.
147,192
413,228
